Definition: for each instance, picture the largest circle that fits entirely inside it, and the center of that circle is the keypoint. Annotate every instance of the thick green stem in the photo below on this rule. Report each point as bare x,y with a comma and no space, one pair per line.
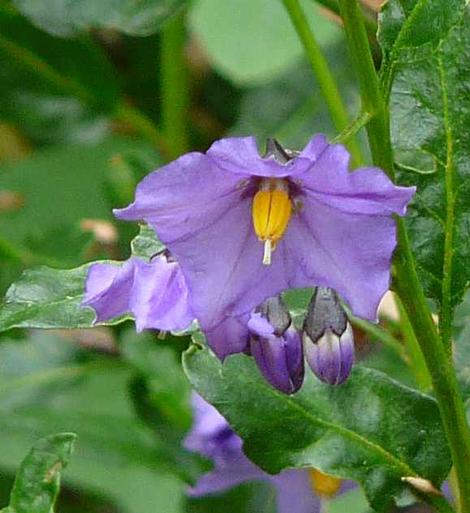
174,85
406,279
323,73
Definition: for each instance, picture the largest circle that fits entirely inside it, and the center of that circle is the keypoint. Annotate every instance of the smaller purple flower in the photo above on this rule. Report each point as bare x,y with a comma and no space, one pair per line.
154,292
212,437
276,346
328,337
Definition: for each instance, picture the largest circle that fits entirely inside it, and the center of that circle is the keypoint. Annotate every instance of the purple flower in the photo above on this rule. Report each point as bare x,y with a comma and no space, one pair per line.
228,213
328,337
154,292
212,437
277,346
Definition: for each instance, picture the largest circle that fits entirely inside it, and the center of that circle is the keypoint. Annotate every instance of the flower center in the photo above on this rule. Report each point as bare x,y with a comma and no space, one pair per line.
271,211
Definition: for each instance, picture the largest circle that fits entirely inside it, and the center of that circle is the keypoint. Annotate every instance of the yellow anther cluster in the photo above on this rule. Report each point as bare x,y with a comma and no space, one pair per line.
323,484
272,209
271,214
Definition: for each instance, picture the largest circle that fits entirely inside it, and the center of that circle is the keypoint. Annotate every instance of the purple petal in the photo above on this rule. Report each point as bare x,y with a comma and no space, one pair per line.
315,147
280,360
363,191
212,437
260,326
349,253
229,336
154,292
294,492
108,288
331,357
240,155
160,297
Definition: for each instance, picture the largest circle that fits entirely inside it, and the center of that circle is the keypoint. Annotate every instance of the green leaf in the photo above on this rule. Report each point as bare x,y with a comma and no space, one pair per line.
67,19
252,41
38,479
426,46
371,429
46,298
51,298
146,244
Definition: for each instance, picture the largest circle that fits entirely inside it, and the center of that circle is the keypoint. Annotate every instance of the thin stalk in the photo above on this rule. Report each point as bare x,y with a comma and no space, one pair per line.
353,128
174,85
376,333
416,359
333,6
323,74
406,279
144,126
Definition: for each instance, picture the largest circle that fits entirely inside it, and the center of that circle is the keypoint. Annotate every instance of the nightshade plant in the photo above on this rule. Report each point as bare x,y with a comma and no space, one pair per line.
265,247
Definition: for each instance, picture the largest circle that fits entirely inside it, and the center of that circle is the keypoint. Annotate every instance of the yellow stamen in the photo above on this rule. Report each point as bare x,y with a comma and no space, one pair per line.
272,209
323,484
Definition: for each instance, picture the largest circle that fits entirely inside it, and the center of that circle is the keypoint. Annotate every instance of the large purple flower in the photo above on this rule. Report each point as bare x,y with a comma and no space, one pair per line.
154,292
228,213
212,437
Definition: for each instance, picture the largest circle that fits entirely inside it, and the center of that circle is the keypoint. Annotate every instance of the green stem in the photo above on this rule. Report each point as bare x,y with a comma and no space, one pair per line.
333,6
416,359
323,73
406,279
143,125
174,85
375,332
354,127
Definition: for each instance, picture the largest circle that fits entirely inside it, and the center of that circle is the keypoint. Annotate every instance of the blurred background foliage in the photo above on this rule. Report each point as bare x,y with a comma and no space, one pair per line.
84,90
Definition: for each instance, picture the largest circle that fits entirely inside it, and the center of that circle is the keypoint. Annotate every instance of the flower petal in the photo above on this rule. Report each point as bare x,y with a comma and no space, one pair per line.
108,288
349,253
154,292
366,190
160,297
241,155
280,360
294,492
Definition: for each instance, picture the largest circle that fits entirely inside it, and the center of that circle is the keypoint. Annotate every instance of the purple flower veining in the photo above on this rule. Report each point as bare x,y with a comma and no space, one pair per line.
245,227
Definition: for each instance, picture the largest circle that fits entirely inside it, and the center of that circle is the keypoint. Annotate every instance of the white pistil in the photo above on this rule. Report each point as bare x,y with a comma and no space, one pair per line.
268,248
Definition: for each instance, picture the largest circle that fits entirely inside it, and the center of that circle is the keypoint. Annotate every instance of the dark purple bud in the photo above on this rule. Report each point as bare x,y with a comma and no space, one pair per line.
276,346
328,337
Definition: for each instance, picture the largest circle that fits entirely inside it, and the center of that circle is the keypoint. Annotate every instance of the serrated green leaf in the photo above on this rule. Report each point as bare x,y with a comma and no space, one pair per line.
371,429
38,479
67,19
427,49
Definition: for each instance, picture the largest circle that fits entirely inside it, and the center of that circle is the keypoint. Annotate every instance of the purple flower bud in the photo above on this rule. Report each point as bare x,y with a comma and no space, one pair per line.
276,346
328,337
